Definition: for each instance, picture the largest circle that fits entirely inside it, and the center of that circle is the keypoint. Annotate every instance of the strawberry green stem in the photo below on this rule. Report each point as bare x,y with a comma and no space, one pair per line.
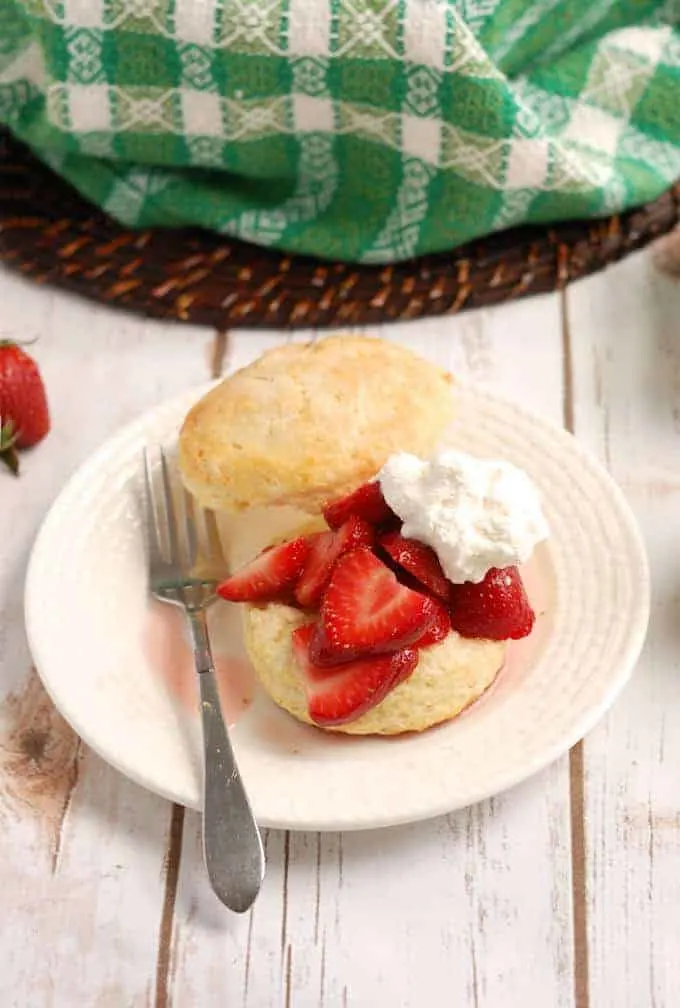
8,452
16,342
11,460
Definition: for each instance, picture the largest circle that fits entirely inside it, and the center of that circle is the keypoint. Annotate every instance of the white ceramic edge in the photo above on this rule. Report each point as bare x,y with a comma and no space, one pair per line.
635,638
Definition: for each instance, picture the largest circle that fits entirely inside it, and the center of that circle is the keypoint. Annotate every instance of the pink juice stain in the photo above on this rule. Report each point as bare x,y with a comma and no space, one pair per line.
168,651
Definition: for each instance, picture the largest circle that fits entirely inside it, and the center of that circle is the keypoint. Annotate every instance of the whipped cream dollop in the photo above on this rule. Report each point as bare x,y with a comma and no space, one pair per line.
474,513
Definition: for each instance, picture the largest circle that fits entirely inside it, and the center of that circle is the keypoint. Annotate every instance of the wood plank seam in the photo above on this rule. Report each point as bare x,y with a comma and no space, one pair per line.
249,952
317,889
219,354
284,898
173,857
576,769
322,975
341,857
473,823
289,976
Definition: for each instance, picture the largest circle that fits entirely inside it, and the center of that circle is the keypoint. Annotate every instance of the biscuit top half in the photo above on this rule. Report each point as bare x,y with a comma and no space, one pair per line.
309,422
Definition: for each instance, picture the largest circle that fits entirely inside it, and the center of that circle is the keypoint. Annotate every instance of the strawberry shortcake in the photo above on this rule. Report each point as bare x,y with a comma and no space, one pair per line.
392,610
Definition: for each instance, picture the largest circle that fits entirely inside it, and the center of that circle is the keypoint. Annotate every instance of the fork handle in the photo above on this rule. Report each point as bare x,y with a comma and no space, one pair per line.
232,843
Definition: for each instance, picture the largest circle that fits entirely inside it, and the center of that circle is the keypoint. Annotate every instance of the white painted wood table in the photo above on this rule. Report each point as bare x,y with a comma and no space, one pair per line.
563,893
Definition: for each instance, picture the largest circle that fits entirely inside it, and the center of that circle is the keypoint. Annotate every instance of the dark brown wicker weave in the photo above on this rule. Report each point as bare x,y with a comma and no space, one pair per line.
48,232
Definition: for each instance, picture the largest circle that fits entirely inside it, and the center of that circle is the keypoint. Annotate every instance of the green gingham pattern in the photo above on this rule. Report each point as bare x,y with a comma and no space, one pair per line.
364,130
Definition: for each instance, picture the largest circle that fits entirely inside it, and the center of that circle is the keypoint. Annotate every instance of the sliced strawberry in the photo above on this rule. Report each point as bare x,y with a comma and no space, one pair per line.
321,651
438,630
324,550
303,644
366,610
325,656
366,502
495,609
420,561
269,576
343,694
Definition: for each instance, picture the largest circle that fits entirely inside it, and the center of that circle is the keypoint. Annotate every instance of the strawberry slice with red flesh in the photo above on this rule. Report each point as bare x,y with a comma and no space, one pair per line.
418,560
322,653
495,609
367,611
366,502
325,548
439,628
270,576
343,694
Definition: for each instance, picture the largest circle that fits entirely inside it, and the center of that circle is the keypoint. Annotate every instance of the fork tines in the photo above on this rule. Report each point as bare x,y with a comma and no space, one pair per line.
174,521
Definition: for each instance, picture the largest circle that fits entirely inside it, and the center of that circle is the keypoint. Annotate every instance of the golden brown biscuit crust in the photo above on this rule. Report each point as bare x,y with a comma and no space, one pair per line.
308,422
448,678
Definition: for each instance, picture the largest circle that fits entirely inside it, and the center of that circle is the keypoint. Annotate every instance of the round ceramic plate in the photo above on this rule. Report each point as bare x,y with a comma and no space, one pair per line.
117,674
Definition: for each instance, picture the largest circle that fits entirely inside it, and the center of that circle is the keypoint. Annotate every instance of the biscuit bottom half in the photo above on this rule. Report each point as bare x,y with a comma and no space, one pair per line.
448,678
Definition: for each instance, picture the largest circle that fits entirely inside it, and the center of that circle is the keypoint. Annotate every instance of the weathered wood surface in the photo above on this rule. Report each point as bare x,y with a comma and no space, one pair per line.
559,894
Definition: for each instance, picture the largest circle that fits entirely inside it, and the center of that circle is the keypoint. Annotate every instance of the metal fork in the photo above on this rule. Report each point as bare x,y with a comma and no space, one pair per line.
232,844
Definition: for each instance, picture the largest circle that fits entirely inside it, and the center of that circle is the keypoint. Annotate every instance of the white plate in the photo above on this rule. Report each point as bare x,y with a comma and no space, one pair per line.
86,607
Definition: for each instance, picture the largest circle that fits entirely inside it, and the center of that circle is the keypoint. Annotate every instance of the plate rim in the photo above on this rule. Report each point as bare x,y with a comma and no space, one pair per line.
635,637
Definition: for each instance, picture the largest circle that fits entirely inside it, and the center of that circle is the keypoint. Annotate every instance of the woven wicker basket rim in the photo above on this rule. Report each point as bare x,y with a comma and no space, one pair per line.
51,234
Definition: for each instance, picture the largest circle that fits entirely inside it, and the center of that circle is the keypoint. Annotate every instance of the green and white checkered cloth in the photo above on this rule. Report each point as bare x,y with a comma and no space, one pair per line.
364,130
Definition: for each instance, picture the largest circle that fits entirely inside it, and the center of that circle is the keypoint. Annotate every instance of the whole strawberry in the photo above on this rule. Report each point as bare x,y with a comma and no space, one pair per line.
24,414
497,608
